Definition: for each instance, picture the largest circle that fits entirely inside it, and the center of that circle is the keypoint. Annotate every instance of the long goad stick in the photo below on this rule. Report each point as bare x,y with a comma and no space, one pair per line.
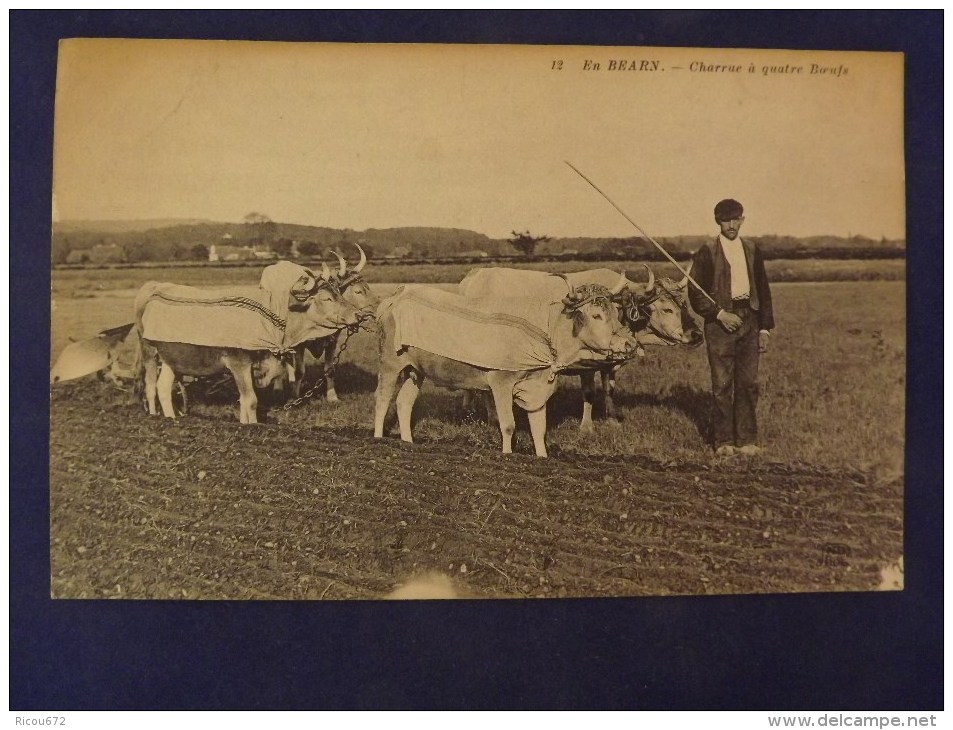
644,234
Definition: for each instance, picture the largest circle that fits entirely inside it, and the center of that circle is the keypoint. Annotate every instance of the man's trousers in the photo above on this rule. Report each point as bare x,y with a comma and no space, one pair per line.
733,358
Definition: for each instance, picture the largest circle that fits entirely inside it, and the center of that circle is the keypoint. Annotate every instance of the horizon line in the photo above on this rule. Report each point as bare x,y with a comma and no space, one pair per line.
195,220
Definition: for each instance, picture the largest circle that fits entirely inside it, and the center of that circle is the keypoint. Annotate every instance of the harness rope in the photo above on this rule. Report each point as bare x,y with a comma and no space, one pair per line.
328,368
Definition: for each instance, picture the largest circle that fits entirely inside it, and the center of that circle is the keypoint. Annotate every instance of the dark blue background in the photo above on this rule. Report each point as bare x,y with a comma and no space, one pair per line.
815,651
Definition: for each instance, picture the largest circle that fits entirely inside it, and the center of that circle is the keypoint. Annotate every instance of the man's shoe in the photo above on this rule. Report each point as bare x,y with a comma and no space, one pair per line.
725,450
750,450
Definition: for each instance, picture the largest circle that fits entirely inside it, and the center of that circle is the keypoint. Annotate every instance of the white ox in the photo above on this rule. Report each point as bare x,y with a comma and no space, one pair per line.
578,325
357,292
160,361
655,313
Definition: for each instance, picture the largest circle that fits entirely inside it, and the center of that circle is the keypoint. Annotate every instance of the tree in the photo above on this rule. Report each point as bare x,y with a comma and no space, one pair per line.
282,247
309,248
525,243
199,252
264,228
256,218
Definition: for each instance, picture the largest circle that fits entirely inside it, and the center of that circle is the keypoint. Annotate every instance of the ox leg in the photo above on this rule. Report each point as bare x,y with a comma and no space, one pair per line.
247,399
386,384
287,383
608,388
490,407
588,382
163,385
503,397
406,397
247,402
300,370
151,377
608,383
330,348
278,387
296,386
537,427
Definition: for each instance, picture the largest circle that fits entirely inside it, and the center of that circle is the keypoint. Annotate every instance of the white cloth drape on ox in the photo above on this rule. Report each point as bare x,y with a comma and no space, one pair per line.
510,334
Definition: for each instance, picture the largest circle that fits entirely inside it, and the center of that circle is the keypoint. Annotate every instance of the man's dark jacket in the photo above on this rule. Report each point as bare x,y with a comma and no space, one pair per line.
712,272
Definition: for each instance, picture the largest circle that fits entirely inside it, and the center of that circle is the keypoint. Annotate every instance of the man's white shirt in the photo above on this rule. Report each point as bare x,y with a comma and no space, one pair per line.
735,253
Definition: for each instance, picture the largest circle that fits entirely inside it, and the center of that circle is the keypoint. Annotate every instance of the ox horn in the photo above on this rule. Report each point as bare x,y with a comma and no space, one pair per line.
325,272
619,286
651,285
362,262
572,289
343,263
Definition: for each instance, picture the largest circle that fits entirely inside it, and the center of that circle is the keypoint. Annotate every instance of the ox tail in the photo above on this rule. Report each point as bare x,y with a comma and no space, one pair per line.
145,294
139,361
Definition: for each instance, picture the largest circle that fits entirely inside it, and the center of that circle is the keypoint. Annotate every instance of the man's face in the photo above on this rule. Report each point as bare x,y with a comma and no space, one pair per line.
729,229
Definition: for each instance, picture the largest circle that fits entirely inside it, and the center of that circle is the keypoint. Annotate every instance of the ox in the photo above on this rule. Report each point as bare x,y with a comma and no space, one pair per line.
159,362
512,347
356,291
654,313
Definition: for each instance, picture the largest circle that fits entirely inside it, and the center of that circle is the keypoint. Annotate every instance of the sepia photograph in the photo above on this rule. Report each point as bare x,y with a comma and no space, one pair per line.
360,321
622,329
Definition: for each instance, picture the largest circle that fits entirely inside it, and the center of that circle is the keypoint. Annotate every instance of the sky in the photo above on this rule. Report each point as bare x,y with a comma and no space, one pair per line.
380,136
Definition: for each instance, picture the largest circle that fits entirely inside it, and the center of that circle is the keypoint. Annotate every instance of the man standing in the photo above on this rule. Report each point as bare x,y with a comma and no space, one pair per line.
737,327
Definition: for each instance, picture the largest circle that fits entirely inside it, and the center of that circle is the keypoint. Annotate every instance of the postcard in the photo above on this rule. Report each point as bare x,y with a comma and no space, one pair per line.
358,321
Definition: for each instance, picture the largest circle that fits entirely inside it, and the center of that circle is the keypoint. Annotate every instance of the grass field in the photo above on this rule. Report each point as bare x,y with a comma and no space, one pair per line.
85,282
832,386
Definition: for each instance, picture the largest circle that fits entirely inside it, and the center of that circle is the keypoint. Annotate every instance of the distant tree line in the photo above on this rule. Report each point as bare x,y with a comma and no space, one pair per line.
193,242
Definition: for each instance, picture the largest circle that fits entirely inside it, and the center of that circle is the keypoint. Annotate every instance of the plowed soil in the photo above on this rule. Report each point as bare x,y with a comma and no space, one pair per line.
203,508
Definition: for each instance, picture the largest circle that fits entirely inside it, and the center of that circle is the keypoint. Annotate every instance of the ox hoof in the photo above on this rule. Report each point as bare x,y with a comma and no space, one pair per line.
332,399
587,427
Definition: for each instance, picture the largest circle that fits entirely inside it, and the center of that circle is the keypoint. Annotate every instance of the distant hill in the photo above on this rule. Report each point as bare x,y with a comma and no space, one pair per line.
181,239
172,240
123,226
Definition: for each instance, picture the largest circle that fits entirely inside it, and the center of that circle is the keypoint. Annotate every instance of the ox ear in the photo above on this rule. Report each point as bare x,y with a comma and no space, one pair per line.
578,321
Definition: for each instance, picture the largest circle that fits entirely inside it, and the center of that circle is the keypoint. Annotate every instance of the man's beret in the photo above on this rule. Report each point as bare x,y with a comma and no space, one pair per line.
728,210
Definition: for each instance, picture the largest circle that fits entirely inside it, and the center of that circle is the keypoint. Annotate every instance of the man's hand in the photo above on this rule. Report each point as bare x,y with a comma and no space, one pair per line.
764,337
729,321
